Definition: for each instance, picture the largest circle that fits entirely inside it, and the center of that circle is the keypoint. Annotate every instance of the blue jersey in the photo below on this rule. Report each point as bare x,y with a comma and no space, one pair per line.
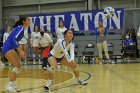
98,33
12,40
127,42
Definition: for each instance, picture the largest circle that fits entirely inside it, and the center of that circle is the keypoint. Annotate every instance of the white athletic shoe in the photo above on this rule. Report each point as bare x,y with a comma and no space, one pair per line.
81,82
47,86
112,62
10,88
44,68
100,62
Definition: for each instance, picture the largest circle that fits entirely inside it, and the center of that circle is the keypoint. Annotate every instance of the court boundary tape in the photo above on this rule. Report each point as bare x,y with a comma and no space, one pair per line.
71,85
29,89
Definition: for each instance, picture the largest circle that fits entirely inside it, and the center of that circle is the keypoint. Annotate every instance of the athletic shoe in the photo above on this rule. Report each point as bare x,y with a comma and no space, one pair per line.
109,61
10,88
44,68
112,62
47,88
81,82
100,62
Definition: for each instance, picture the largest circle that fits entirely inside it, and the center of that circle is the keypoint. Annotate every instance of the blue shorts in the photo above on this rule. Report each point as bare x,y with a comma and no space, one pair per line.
5,49
58,59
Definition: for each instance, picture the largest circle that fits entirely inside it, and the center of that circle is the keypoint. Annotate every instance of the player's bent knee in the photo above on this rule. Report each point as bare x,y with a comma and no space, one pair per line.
52,69
76,68
16,70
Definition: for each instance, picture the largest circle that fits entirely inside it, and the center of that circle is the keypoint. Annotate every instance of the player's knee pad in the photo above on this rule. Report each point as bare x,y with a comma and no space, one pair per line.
76,68
52,69
16,70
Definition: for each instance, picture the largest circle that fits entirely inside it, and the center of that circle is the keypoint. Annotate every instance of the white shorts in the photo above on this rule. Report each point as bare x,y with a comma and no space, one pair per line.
35,44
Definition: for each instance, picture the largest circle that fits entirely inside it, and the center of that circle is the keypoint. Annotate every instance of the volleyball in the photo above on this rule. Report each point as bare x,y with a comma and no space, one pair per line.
109,12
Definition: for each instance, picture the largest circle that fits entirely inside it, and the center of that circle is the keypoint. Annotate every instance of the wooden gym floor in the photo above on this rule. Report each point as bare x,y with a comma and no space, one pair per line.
106,78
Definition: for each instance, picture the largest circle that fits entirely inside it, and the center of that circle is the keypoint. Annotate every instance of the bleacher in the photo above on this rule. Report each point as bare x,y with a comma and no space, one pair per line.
86,38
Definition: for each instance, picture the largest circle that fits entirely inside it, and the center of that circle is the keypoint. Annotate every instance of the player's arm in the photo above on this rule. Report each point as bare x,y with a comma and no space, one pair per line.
58,33
61,43
97,32
26,33
14,38
15,43
101,30
72,55
4,38
31,40
49,39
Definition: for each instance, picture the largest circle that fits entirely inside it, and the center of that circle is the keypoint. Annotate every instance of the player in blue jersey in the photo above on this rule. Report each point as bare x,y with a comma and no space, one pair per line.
8,50
63,52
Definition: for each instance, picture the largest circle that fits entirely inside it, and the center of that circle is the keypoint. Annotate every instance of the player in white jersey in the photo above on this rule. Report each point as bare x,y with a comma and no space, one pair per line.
5,36
35,43
23,44
59,53
60,30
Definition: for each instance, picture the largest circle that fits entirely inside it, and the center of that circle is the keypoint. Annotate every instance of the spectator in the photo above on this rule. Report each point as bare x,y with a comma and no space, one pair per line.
102,42
6,34
34,42
60,30
45,43
127,41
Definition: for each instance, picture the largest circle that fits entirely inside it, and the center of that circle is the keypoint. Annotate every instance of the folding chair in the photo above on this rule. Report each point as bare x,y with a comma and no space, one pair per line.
88,52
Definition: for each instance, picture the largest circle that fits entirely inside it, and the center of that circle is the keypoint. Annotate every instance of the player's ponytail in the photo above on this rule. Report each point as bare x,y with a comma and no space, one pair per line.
20,22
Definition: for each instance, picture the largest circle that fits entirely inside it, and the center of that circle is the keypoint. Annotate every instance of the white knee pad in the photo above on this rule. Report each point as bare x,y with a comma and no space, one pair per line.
52,69
16,70
76,68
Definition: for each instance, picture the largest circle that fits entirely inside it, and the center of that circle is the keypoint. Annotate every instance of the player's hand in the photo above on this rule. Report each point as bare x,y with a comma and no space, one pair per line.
22,54
72,64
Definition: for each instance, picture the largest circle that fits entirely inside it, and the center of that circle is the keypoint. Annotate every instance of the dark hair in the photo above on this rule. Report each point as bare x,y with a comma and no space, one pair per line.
67,31
35,26
20,22
59,22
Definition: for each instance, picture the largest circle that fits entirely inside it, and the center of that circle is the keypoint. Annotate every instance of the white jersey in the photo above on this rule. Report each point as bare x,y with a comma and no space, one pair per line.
45,40
25,38
60,49
59,32
5,36
35,38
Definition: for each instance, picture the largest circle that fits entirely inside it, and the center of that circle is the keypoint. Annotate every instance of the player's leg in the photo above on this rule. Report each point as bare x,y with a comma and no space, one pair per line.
53,67
25,50
1,65
15,61
105,47
34,54
39,55
75,69
99,46
22,48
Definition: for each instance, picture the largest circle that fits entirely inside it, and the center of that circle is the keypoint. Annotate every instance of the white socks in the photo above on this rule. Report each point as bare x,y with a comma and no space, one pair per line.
49,82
